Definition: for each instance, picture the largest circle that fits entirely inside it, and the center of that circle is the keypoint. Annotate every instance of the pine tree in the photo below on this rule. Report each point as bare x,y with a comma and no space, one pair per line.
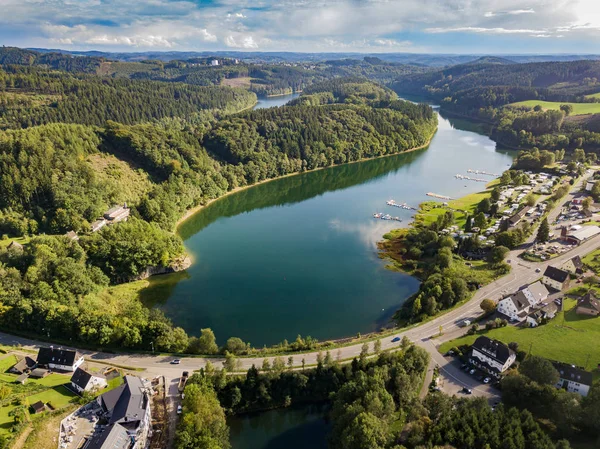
544,231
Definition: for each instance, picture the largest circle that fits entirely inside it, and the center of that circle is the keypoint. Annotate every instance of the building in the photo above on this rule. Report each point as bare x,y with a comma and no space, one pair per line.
59,359
588,304
214,62
556,278
516,218
25,365
38,407
117,213
536,293
516,307
39,373
72,235
129,406
83,380
573,379
573,265
114,436
544,313
579,236
98,224
15,247
589,185
491,356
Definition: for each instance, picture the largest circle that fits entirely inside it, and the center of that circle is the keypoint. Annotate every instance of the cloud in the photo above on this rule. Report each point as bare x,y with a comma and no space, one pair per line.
246,42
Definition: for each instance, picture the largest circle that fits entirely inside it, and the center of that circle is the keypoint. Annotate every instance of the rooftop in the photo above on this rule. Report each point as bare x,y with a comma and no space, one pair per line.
556,274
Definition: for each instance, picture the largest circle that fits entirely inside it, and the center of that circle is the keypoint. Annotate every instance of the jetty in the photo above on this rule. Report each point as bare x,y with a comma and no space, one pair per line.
468,178
482,172
441,197
382,216
400,205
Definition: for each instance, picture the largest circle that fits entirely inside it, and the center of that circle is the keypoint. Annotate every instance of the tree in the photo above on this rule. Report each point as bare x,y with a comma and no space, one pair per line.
539,370
235,345
587,203
230,363
497,254
377,346
543,233
488,305
484,205
596,191
207,342
566,108
480,220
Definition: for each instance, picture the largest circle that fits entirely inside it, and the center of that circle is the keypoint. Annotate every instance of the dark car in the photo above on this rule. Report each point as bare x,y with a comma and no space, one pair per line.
395,339
466,390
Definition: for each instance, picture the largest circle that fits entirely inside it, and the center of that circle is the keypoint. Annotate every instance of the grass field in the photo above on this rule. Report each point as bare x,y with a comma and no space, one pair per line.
21,240
596,95
592,260
244,81
578,108
569,338
58,396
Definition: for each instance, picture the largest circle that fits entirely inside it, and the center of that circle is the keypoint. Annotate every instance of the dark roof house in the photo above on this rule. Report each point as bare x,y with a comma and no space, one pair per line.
38,407
588,304
57,356
82,378
128,404
494,349
556,274
39,373
114,436
574,374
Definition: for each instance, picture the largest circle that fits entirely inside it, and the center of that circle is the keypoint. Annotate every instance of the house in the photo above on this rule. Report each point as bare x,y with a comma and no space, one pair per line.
38,407
214,62
114,436
59,359
117,213
25,365
589,185
15,247
83,380
536,293
516,218
22,379
556,278
39,373
72,235
516,306
98,224
588,304
573,265
129,406
491,356
545,312
573,379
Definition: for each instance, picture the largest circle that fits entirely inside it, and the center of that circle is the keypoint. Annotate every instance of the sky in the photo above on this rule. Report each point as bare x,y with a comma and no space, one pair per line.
370,26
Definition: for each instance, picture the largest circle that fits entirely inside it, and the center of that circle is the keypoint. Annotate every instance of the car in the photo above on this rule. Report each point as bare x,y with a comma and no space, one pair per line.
179,409
463,366
486,380
537,270
508,261
466,390
395,339
175,362
182,395
472,372
449,353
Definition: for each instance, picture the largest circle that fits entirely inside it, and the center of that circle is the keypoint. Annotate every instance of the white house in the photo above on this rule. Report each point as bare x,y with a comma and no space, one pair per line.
536,293
491,356
516,306
573,265
556,278
545,312
59,359
573,379
82,381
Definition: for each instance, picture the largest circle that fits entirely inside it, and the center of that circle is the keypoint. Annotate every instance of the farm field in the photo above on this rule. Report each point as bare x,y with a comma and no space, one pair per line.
578,108
569,338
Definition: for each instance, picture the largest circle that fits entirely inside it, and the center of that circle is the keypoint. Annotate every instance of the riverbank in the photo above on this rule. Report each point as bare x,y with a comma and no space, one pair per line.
194,210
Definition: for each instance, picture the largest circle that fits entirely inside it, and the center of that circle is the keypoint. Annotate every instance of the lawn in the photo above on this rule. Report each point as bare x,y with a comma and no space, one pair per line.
51,380
592,260
21,240
7,362
58,396
569,338
596,95
578,108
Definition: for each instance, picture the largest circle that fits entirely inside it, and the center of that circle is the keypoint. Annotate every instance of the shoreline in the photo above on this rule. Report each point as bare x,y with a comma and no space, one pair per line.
190,212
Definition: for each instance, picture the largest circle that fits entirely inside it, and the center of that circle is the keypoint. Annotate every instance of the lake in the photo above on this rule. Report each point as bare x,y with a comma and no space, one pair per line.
298,255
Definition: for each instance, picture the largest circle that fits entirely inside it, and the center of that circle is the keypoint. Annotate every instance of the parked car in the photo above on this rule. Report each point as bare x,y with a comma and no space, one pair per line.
179,409
472,371
537,270
175,362
395,339
486,380
449,353
466,390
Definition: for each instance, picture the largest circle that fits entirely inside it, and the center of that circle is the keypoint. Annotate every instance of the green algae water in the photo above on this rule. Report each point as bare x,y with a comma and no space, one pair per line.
298,255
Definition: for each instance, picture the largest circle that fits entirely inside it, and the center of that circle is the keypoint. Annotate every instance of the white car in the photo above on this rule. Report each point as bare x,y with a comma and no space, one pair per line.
179,409
472,372
486,380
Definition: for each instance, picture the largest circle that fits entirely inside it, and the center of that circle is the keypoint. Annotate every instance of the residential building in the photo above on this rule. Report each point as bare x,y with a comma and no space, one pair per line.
83,380
589,185
15,247
214,62
38,407
536,293
573,265
39,373
491,356
516,218
129,406
573,379
72,235
588,304
98,224
117,213
556,278
545,312
114,436
516,306
59,359
25,365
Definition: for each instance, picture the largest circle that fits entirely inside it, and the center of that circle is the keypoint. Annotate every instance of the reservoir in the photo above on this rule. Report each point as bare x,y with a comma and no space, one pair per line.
298,255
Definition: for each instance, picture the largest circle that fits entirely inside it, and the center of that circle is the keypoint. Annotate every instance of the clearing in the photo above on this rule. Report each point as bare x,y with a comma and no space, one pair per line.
578,108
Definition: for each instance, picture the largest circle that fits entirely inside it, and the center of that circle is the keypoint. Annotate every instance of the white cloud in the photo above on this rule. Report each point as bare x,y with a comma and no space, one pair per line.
246,42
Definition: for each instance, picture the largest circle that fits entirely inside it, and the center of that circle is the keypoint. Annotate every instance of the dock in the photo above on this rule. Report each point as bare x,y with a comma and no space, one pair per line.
468,178
382,216
400,205
441,197
482,172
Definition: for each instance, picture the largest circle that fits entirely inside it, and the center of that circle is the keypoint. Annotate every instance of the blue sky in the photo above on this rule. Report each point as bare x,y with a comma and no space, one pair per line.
439,26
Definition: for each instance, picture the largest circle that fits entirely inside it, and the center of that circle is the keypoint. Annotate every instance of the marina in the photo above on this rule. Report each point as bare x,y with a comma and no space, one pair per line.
482,172
400,205
382,216
468,178
440,197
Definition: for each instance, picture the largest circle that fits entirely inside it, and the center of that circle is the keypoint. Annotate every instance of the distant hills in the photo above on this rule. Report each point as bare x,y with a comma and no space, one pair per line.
430,60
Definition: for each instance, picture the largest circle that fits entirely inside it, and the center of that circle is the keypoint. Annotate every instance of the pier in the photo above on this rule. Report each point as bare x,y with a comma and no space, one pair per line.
382,216
468,178
441,197
482,172
400,205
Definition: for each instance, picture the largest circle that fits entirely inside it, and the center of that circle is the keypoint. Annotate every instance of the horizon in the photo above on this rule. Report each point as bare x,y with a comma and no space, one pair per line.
309,26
